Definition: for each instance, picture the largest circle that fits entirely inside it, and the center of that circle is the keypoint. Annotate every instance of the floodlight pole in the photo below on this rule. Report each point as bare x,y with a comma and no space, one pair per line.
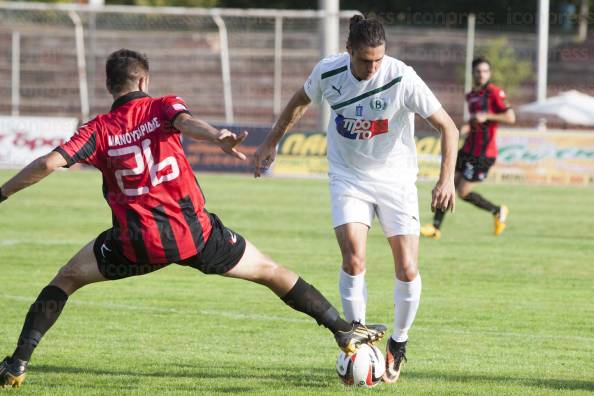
16,73
543,52
278,66
330,32
92,23
584,12
543,49
469,56
225,67
81,64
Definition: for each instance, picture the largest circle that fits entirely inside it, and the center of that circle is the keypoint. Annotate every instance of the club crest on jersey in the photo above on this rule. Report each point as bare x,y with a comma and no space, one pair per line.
378,104
353,128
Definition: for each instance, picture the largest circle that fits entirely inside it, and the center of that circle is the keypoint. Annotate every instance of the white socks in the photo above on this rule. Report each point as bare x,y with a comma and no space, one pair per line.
407,295
353,294
406,301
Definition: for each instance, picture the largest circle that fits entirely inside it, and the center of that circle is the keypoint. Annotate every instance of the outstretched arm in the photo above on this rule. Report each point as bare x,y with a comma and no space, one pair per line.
443,195
292,112
32,173
201,130
506,117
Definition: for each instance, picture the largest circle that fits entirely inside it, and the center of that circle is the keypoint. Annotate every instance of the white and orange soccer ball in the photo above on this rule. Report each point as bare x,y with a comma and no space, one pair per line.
364,368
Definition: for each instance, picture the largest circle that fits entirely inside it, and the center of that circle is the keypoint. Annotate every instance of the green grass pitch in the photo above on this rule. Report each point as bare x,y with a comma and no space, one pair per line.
512,315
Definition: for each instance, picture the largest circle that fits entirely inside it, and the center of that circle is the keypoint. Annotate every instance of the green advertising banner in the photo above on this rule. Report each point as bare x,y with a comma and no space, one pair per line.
525,156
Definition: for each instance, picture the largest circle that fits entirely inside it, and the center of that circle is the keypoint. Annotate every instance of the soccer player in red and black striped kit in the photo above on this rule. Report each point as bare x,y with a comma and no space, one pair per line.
158,211
488,106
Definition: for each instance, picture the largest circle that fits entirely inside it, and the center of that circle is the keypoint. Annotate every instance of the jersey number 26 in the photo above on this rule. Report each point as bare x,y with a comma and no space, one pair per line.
153,168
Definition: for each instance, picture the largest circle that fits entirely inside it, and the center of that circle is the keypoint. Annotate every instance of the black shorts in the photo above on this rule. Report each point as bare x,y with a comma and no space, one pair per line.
221,253
473,169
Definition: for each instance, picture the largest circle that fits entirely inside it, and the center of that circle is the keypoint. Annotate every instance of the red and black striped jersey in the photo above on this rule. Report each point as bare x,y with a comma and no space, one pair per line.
156,202
480,142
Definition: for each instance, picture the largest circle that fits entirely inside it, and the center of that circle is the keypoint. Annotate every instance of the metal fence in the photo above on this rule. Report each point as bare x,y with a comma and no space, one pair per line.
229,65
235,66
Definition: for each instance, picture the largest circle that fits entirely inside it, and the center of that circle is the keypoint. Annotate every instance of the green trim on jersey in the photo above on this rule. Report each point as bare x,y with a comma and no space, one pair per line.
334,72
367,94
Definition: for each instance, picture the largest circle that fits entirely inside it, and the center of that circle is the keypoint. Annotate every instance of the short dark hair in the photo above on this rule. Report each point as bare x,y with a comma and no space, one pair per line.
123,68
481,59
365,32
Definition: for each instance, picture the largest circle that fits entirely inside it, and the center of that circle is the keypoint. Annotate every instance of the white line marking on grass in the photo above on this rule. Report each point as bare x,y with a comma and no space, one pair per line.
258,317
14,242
128,307
496,333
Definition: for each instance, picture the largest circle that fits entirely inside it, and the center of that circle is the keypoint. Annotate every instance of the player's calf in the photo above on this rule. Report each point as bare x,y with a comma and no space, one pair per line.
303,297
45,311
41,316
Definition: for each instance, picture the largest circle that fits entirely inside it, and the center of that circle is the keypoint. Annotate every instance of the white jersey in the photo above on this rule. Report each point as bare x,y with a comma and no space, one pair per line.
371,130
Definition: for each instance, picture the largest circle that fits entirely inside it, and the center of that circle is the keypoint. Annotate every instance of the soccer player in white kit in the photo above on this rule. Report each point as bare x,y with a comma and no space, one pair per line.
373,166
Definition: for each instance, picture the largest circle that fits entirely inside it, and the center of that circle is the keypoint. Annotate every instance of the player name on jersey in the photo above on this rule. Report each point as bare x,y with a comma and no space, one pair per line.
135,135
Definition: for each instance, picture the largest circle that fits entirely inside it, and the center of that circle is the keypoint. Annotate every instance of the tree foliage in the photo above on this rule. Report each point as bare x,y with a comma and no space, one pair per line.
168,3
507,70
514,14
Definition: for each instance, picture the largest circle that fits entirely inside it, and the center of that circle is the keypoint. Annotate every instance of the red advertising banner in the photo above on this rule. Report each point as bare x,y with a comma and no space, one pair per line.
22,139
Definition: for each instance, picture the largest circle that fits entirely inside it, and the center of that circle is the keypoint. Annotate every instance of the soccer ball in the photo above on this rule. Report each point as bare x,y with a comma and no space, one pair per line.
364,368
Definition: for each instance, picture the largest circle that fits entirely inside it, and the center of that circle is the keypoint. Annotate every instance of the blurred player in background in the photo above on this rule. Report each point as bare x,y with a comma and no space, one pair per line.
488,106
158,212
373,166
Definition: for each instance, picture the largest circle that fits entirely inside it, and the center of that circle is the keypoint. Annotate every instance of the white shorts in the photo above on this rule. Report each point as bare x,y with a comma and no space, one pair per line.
396,205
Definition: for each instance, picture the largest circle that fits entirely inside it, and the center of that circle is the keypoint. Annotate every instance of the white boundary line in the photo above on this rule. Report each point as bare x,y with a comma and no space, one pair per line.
256,317
137,308
50,242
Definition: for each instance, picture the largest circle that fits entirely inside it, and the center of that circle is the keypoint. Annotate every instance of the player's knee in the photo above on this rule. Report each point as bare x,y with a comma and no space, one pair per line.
69,279
353,264
267,271
407,273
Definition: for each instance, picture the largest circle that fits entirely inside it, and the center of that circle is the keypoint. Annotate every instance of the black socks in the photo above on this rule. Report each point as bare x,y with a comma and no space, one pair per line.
438,218
305,298
480,202
473,198
42,314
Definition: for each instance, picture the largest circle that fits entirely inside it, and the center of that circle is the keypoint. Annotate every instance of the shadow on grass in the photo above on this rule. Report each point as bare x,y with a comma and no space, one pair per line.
318,378
550,383
292,376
